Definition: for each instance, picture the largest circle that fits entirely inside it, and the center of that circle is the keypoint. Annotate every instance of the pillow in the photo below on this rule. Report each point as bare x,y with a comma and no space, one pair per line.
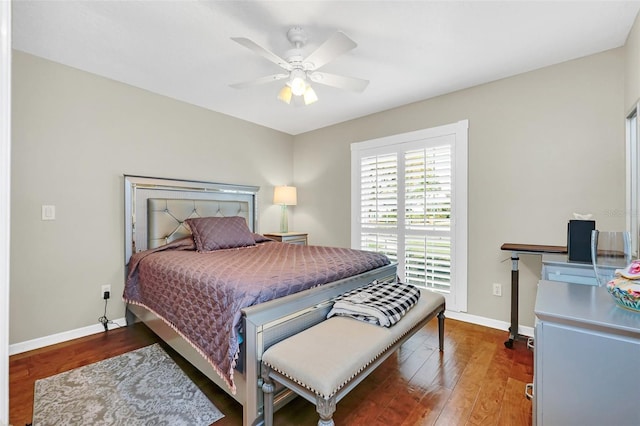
215,233
259,238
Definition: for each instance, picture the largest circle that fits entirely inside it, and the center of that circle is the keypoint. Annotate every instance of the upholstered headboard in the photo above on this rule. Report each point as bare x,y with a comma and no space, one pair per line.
156,208
165,217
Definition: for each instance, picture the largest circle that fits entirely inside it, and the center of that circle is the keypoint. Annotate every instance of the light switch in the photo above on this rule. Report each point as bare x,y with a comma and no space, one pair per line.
48,212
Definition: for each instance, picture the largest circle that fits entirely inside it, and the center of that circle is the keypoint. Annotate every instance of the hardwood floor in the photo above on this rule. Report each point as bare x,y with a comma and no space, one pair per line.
476,381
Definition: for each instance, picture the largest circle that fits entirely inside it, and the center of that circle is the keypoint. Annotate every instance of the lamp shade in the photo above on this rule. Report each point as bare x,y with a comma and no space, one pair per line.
285,195
285,94
310,96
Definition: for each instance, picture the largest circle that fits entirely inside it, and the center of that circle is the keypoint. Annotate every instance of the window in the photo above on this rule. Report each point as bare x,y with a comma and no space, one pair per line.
409,201
633,179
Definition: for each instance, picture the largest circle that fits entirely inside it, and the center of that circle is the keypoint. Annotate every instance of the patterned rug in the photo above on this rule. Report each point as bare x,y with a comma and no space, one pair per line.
142,387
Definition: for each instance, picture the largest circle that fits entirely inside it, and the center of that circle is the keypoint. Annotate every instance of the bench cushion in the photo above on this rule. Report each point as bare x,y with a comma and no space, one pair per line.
328,355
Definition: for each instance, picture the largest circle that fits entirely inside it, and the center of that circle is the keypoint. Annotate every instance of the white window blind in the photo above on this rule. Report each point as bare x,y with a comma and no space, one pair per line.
408,192
379,204
379,191
427,197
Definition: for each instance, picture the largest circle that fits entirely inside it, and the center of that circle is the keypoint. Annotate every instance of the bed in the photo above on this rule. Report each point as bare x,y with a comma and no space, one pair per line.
158,213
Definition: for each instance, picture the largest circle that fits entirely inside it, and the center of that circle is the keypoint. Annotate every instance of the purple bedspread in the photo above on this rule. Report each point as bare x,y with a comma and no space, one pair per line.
200,295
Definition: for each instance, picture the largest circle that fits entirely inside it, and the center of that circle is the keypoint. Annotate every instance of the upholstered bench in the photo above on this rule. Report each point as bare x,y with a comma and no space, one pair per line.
323,363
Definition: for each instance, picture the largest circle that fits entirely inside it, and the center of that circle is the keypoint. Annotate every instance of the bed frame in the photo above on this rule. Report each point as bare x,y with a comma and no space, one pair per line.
155,209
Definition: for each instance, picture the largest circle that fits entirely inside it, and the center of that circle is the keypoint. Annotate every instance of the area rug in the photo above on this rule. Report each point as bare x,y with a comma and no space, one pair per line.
142,387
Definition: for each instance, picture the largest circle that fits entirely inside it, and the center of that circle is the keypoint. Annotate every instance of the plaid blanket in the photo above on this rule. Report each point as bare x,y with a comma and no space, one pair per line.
377,303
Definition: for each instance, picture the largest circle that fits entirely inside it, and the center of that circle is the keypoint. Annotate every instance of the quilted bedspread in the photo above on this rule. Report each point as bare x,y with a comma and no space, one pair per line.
200,295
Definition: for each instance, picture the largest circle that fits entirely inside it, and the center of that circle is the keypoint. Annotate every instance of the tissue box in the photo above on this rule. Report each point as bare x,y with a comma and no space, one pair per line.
579,240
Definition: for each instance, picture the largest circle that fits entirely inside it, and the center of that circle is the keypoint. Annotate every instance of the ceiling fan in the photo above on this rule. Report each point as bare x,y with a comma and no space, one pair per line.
301,70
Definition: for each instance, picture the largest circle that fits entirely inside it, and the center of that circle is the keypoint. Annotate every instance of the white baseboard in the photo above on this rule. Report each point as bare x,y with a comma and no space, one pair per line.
41,342
487,322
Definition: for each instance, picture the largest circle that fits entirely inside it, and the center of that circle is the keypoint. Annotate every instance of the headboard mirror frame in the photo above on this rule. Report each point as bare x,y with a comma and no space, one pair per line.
138,190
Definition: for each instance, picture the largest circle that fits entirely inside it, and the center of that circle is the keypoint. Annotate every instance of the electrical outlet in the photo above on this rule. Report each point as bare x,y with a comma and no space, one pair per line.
497,289
105,288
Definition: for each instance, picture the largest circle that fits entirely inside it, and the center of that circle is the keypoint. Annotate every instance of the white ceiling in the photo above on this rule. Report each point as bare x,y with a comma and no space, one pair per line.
409,50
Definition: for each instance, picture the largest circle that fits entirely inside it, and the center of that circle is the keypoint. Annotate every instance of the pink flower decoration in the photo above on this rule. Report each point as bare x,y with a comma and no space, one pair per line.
634,268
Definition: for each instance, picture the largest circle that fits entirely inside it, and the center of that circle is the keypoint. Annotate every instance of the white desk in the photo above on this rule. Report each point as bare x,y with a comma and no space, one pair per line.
556,267
586,355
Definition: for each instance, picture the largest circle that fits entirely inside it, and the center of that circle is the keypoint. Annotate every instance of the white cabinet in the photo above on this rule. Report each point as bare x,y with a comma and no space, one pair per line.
556,267
586,358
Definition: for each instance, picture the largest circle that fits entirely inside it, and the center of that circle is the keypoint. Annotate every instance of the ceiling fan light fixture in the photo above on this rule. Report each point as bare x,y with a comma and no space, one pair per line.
300,68
310,95
298,82
285,94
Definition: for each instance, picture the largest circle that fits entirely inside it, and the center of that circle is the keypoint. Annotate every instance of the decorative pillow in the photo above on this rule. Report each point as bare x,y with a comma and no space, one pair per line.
259,238
215,233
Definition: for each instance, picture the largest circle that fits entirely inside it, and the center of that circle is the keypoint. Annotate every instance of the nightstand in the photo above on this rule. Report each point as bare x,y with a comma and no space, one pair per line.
289,237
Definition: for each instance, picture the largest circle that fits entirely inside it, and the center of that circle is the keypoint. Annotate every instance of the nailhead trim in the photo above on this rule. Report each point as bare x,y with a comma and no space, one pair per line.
352,376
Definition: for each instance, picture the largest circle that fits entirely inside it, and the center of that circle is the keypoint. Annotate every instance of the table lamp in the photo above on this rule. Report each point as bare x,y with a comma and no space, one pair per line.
285,196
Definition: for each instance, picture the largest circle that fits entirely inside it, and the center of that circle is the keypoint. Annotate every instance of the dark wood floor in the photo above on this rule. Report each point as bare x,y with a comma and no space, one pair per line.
476,381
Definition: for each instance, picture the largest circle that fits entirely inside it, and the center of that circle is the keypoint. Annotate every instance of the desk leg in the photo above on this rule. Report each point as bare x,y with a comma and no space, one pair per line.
513,330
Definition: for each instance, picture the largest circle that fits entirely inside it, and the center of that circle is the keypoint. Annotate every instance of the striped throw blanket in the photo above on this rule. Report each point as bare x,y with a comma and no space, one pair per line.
381,303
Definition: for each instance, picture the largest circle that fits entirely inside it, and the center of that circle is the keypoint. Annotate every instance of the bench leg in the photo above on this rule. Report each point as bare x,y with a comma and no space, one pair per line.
441,330
268,388
325,408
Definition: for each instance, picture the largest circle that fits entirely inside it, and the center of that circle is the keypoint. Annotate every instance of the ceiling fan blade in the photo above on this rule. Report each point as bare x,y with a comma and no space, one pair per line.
335,46
251,45
340,81
261,80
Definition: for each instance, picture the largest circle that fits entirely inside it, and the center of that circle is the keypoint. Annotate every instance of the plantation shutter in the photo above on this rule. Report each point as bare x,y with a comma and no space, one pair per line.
404,196
428,217
379,204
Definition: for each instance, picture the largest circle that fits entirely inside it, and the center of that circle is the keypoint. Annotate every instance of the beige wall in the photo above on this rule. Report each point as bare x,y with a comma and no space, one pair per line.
74,136
542,145
632,67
